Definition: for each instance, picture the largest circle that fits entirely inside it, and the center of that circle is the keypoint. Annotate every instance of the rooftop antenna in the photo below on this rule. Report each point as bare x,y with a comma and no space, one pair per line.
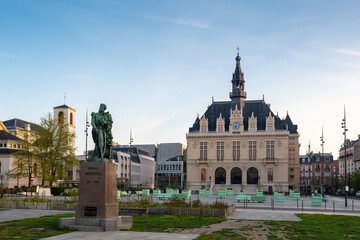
263,97
212,99
238,49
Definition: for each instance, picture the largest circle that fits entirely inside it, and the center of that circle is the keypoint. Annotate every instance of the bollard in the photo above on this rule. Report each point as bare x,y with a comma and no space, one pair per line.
333,206
302,205
353,204
297,203
325,205
244,203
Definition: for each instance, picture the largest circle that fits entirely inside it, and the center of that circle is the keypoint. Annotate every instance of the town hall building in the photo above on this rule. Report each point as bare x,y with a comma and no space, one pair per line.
242,144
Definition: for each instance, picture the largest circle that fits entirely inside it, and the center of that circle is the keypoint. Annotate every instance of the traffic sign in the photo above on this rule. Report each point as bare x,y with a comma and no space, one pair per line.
32,176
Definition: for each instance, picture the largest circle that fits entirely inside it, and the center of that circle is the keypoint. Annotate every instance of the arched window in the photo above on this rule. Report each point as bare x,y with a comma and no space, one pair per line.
71,119
252,176
236,176
61,117
220,176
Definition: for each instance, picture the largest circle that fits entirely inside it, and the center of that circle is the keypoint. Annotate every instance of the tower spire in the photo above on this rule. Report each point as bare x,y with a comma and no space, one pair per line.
238,93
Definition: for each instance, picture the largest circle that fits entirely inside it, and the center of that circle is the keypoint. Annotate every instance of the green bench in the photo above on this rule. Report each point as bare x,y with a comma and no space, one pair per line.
259,193
279,196
325,198
138,192
258,198
296,195
222,193
208,193
156,192
202,192
145,192
316,200
243,198
230,192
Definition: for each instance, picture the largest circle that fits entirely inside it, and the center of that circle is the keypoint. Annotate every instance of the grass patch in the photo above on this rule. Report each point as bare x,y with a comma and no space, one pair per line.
4,209
169,223
33,228
224,234
321,226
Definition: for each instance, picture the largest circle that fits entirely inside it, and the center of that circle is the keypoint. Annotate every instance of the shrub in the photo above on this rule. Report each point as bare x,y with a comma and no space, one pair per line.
176,202
218,205
57,191
197,204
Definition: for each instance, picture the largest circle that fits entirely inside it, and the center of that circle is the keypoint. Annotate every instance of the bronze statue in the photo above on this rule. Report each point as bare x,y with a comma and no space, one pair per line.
101,123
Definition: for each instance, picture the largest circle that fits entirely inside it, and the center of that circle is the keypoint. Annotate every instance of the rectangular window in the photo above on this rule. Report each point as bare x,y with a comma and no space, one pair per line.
236,150
203,150
270,149
270,127
252,150
1,145
220,150
270,175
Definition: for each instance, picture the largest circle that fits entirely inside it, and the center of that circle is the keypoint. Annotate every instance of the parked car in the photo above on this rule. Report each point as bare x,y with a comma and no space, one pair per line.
357,193
340,193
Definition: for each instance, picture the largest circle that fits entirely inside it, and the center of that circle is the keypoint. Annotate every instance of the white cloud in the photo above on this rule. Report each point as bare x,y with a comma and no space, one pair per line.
182,21
347,51
3,54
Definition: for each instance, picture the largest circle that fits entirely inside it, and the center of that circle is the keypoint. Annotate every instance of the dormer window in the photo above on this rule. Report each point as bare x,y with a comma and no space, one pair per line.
203,128
204,125
252,127
220,128
220,123
270,123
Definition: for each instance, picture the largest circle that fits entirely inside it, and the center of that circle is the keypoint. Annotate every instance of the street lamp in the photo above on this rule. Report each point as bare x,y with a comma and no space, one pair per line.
210,182
343,125
322,164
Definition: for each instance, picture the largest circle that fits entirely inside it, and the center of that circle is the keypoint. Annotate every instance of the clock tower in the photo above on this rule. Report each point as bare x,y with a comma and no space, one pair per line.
236,120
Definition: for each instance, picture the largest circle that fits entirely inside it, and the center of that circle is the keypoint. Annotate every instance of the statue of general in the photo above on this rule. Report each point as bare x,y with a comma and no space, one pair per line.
101,123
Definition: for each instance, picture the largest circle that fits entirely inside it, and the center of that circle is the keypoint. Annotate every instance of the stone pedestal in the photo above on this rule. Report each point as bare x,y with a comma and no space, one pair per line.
97,208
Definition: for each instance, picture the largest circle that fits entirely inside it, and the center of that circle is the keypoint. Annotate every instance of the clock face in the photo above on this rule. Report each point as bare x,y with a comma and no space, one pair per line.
236,125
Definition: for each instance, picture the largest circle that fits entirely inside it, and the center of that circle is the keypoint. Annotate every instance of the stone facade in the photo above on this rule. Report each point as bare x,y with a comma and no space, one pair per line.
241,144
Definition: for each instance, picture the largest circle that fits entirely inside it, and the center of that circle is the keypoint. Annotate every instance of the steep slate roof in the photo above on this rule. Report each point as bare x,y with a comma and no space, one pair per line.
4,135
258,107
18,123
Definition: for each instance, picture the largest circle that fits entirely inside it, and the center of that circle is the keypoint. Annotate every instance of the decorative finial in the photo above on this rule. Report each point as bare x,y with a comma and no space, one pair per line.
212,99
263,97
238,49
64,98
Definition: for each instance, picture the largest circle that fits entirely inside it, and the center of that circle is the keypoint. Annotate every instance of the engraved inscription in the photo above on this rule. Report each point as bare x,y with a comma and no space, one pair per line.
90,211
93,173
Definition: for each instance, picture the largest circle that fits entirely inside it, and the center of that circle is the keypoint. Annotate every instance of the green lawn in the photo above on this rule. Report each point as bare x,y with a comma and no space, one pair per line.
313,226
167,223
4,209
320,226
33,228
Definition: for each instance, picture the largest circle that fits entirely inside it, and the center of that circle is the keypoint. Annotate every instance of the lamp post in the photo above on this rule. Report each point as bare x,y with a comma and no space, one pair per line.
210,182
322,162
343,125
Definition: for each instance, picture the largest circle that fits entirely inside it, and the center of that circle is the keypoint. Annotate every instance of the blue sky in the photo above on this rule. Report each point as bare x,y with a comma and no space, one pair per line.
156,64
